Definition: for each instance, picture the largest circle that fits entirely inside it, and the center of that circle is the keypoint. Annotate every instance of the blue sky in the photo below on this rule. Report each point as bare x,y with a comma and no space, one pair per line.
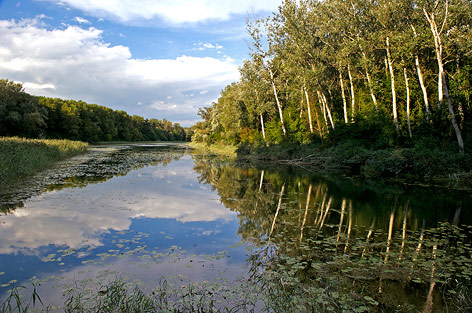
154,58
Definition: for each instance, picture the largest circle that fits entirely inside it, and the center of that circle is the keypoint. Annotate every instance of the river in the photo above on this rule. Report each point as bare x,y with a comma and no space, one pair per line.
275,238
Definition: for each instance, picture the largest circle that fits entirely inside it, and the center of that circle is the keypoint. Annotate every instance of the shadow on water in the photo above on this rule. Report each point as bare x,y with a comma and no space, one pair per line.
98,165
338,244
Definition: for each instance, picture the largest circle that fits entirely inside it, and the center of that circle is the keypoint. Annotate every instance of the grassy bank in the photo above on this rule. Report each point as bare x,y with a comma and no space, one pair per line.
420,163
217,148
20,157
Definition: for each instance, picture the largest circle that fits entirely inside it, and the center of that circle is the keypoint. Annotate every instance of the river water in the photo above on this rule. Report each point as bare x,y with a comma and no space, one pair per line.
291,239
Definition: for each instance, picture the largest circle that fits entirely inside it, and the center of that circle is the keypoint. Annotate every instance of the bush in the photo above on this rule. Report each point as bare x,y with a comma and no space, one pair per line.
374,131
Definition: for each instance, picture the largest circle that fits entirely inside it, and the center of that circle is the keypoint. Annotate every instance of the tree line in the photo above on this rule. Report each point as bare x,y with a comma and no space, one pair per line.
25,115
382,73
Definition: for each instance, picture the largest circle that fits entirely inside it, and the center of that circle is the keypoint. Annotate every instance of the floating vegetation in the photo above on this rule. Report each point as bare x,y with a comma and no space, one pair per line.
320,274
100,164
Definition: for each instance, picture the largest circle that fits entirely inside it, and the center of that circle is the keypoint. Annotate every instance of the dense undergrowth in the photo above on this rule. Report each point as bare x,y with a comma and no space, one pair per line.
370,150
415,163
20,157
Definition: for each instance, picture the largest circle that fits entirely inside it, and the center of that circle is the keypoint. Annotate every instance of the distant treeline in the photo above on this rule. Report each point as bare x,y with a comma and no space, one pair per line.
25,115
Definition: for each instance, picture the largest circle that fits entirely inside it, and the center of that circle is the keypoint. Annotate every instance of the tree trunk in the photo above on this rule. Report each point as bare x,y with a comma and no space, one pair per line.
423,88
277,100
353,98
407,101
392,80
369,81
308,109
386,66
318,123
327,110
452,116
421,80
320,99
343,95
262,126
442,76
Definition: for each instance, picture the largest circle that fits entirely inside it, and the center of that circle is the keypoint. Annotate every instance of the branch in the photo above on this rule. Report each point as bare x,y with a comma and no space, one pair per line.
445,18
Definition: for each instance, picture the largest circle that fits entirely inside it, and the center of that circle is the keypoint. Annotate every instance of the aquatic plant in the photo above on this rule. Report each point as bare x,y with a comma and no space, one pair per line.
16,302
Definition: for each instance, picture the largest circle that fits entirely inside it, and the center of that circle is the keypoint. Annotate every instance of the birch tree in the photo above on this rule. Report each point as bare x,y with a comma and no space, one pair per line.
433,16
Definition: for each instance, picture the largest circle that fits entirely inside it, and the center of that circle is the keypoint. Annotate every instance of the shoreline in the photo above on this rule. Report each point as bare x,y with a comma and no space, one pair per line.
409,166
22,157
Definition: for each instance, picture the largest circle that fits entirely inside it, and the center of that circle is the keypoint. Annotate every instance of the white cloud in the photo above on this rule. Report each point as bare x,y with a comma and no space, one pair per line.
33,86
76,63
212,46
203,46
172,11
81,20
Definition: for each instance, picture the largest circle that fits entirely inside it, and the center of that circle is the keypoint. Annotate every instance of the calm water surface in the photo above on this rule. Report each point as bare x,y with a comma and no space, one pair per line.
143,212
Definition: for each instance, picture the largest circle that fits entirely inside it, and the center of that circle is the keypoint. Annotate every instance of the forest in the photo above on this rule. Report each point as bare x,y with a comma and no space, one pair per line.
378,74
25,115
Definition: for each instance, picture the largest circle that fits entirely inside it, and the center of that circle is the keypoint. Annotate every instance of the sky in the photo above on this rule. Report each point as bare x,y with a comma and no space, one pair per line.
153,58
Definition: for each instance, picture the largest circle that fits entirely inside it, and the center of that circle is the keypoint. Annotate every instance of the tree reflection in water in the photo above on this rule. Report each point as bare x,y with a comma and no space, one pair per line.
334,244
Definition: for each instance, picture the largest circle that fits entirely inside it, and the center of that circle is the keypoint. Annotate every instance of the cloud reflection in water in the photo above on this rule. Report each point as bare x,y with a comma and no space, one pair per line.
77,216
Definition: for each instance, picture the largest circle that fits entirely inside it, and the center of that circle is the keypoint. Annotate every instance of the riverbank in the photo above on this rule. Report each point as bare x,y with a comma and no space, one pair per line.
217,149
418,165
20,157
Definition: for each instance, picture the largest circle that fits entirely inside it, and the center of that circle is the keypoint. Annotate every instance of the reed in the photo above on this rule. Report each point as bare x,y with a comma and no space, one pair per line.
21,157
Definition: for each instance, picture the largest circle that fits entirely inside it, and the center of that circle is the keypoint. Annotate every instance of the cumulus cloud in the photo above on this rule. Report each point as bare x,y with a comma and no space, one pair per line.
76,63
171,11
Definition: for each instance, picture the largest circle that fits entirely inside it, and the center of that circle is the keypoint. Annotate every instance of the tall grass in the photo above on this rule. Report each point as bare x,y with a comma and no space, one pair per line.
20,157
217,149
15,302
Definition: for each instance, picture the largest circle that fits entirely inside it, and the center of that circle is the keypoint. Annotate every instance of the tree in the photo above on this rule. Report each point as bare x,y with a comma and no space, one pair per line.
20,113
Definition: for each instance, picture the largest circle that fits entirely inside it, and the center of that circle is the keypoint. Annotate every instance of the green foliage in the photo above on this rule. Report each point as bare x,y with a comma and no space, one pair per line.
77,120
20,113
318,72
24,115
372,130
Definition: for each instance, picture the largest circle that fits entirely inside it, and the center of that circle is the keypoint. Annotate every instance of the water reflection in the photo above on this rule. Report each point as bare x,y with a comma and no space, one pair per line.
391,245
129,202
71,217
98,165
333,243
